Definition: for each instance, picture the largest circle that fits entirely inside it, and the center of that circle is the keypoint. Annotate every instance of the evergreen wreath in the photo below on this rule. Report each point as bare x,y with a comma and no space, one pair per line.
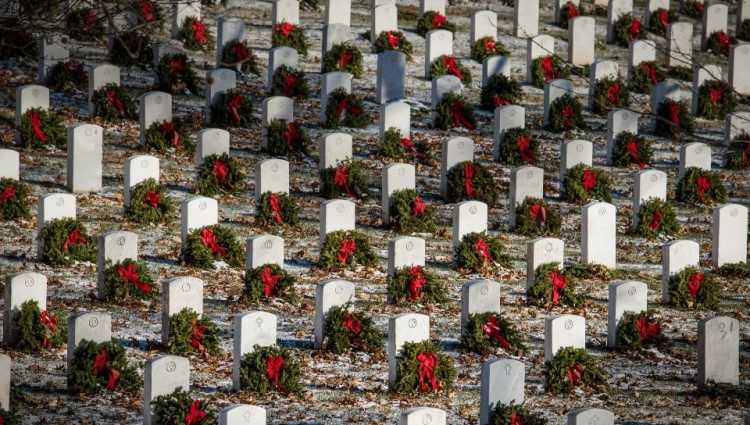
103,365
150,203
290,35
699,186
565,114
500,90
14,199
631,149
454,111
517,147
683,73
645,76
344,57
148,13
480,252
345,109
720,43
433,20
347,179
610,93
167,136
220,175
583,183
414,284
692,288
39,330
176,75
9,418
233,108
673,118
208,244
553,286
660,19
716,100
266,282
346,330
346,249
470,180
396,146
130,49
289,82
514,414
195,34
113,104
637,331
189,332
237,55
409,213
40,128
534,217
734,270
423,369
286,138
128,279
393,40
83,24
276,208
567,12
67,76
546,69
738,155
180,408
743,31
16,41
574,367
486,47
270,368
65,240
655,218
449,65
692,8
485,332
627,29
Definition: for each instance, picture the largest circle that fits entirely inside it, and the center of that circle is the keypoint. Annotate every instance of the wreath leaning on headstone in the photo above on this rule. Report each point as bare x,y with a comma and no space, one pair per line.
128,279
553,286
393,40
673,118
84,24
569,11
130,49
423,369
233,108
692,288
482,253
150,203
42,128
720,43
104,365
347,330
546,69
65,240
517,147
572,368
344,57
148,13
289,82
209,244
485,332
345,109
500,90
716,100
660,19
627,29
535,217
113,103
189,332
195,34
513,414
39,330
645,76
179,407
738,155
220,175
610,93
630,149
237,55
346,249
276,208
699,186
433,20
396,146
67,76
414,284
286,138
565,114
409,213
168,136
267,282
486,47
271,368
640,330
454,111
656,218
584,183
449,65
470,180
290,35
347,179
9,418
175,75
14,199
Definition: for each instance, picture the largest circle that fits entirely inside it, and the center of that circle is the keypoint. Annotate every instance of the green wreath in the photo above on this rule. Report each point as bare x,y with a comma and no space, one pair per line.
276,208
454,111
208,244
738,155
345,109
481,253
346,249
433,20
128,279
289,82
191,333
174,408
500,90
168,136
628,29
571,368
286,138
553,286
237,55
716,100
534,217
344,57
290,35
631,149
486,332
414,284
637,331
692,8
396,146
175,75
673,119
65,240
409,379
266,282
67,76
470,180
14,199
645,76
610,93
9,418
113,103
720,43
347,179
84,25
548,68
195,34
104,365
233,108
517,147
656,218
40,128
449,65
39,330
698,186
220,174
346,330
256,365
148,13
660,19
569,11
565,114
150,203
583,183
486,47
393,40
410,214
503,414
692,288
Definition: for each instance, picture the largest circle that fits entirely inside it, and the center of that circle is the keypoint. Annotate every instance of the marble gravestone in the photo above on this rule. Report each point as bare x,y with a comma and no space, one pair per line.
563,331
468,217
405,251
502,382
624,297
525,182
262,250
84,164
542,251
719,351
676,256
599,234
477,297
91,326
19,288
255,328
329,294
163,375
406,327
112,248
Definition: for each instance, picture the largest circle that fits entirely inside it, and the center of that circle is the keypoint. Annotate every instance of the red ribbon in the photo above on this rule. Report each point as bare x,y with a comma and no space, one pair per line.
269,281
290,82
129,274
674,112
195,415
646,329
342,106
197,332
209,241
285,28
8,193
177,66
418,206
498,100
451,64
558,284
458,117
613,93
88,22
347,248
36,126
635,28
73,238
112,380
481,248
274,366
114,101
650,70
351,323
341,178
199,32
240,52
703,185
491,328
723,39
715,95
439,20
538,213
416,282
663,16
588,180
634,152
345,58
407,144
169,131
695,281
233,106
548,67
515,419
148,10
220,170
489,45
427,380
572,10
50,323
523,143
275,203
746,155
575,374
567,114
655,220
469,179
152,199
100,362
290,134
392,39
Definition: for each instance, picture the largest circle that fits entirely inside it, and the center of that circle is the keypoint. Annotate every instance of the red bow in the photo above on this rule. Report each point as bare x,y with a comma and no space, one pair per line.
438,20
199,32
650,70
290,134
746,154
407,144
452,65
393,40
575,374
724,39
347,248
169,131
73,238
275,203
290,82
195,415
36,126
715,95
114,101
240,52
698,7
655,220
567,114
176,66
269,281
469,179
674,112
209,240
88,22
152,199
427,364
220,170
285,28
489,45
613,93
634,152
481,248
345,58
341,178
703,185
274,366
112,380
524,148
342,106
233,106
197,332
351,323
695,281
663,16
7,193
558,284
538,213
416,282
491,328
148,10
50,323
588,180
572,10
548,67
498,100
100,362
515,419
635,28
418,206
646,329
129,274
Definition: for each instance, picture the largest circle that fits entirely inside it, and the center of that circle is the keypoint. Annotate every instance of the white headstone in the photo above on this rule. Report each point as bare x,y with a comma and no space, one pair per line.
495,65
443,85
455,151
649,184
100,76
155,107
242,414
264,249
581,46
437,43
384,18
395,177
483,24
178,294
542,251
506,118
30,96
196,213
271,175
641,51
279,56
84,171
525,182
336,214
405,251
218,82
422,416
563,331
330,82
599,234
526,18
735,125
10,164
338,12
619,121
676,256
729,235
53,48
591,416
624,297
502,382
329,294
334,148
227,31
616,9
138,169
477,297
537,47
285,11
211,141
407,327
5,372
114,246
714,20
574,152
391,76
468,217
694,154
719,351
680,44
395,115
554,90
739,62
19,288
250,329
91,326
702,74
161,376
